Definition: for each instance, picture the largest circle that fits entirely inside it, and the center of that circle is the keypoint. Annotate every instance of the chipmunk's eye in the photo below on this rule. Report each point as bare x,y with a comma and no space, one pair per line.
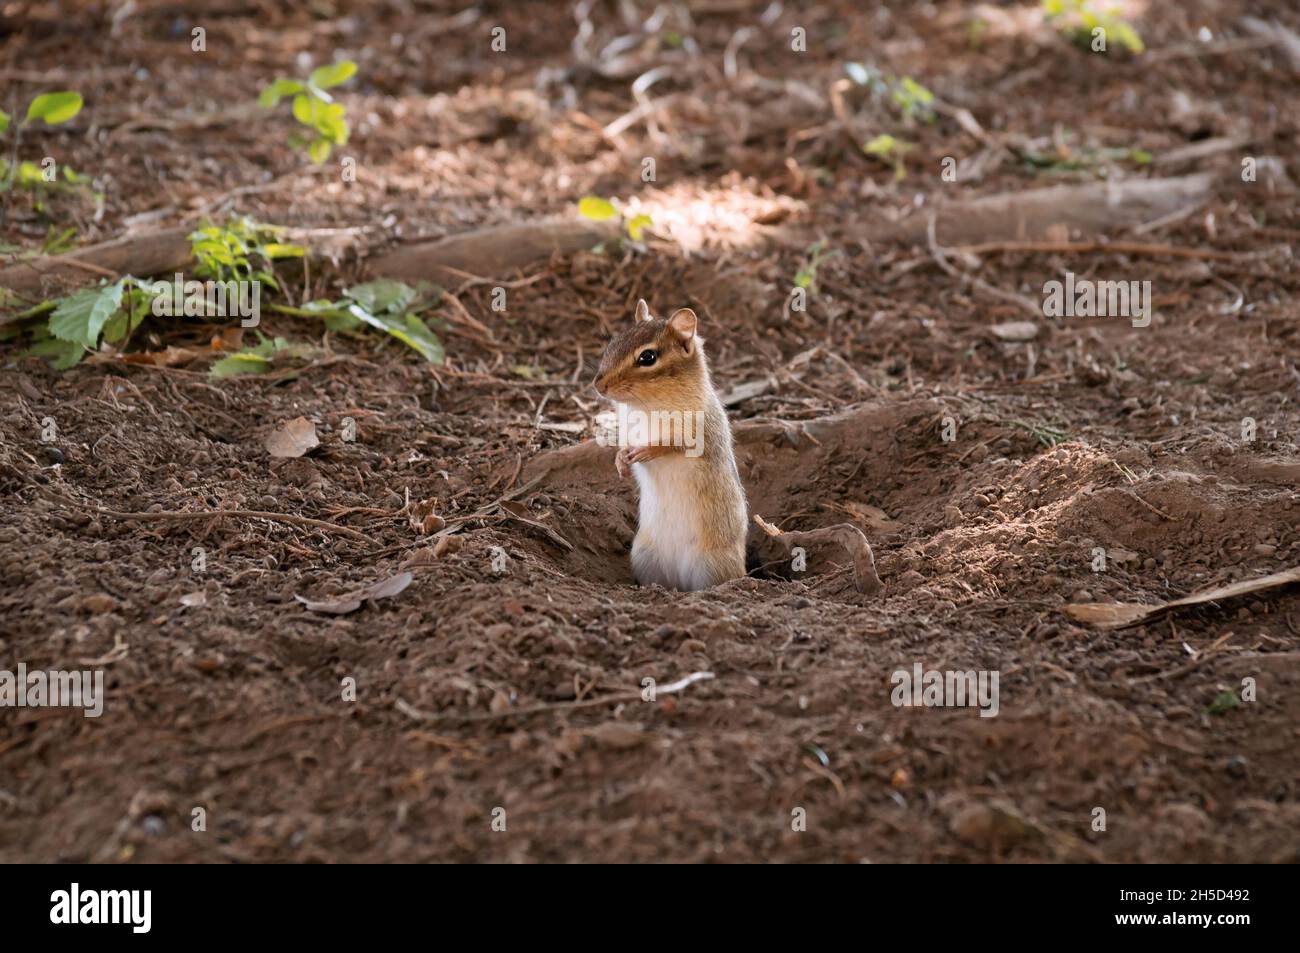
647,357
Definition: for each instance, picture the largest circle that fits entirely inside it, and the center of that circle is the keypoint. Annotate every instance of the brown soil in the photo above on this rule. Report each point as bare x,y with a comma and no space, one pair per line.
479,689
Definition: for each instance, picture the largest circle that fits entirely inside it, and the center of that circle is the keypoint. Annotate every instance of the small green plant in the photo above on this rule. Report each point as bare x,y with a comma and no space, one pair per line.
110,312
79,321
244,251
315,108
259,358
912,100
49,108
388,305
33,177
889,151
56,243
241,250
596,209
818,252
1078,21
1223,703
1064,157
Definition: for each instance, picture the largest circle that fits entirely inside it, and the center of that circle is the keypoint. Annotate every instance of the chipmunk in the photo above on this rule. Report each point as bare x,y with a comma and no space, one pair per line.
675,438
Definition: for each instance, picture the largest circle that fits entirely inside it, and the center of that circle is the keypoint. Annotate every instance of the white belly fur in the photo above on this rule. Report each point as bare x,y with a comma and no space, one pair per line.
667,549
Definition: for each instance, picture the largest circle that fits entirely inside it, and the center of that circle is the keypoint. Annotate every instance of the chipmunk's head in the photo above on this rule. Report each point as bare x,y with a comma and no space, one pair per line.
657,362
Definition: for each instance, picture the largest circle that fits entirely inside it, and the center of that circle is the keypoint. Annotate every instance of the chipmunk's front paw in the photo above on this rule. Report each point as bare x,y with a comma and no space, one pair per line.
642,454
622,464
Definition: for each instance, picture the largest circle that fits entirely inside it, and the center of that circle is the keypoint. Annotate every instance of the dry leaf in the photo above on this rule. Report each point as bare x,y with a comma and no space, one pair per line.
1015,331
292,439
1109,615
423,519
618,735
995,823
228,339
351,602
1113,616
447,545
874,519
341,606
167,357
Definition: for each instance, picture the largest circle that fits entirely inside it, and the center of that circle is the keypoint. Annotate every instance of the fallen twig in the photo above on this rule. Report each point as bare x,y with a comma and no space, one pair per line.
941,260
846,535
1126,248
618,698
166,515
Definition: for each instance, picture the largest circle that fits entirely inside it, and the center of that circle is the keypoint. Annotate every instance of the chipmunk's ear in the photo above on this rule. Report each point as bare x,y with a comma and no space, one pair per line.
642,310
682,324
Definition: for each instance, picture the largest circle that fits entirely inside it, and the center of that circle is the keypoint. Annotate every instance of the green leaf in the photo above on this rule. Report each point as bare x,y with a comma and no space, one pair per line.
272,95
916,92
319,151
341,321
332,75
115,328
331,124
306,108
278,250
245,362
1223,703
382,295
57,243
268,347
4,121
135,305
54,108
82,315
1129,37
62,354
30,175
417,335
409,329
636,228
885,146
596,208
